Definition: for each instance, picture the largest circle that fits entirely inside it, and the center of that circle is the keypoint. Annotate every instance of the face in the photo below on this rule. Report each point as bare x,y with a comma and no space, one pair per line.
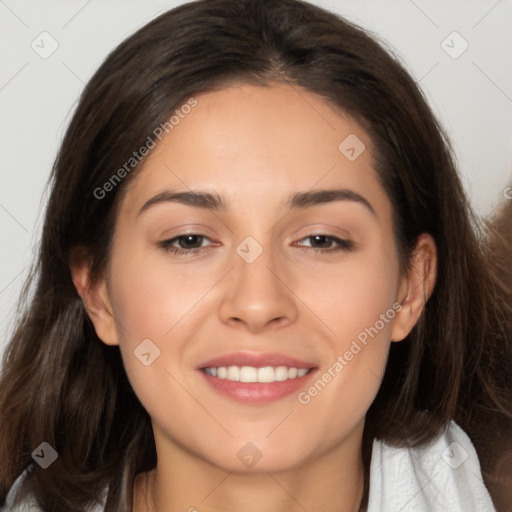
261,319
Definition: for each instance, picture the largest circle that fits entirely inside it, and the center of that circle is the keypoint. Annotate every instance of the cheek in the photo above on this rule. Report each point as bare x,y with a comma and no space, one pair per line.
351,297
153,298
358,305
157,306
151,304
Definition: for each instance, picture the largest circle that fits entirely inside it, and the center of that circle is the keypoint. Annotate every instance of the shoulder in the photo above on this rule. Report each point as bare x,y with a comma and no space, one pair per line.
441,476
26,503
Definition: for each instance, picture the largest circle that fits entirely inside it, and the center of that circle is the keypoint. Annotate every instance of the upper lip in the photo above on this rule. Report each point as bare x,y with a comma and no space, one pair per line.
257,360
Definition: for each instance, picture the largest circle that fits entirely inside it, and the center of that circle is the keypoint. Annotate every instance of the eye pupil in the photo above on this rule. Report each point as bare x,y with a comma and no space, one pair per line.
188,237
321,237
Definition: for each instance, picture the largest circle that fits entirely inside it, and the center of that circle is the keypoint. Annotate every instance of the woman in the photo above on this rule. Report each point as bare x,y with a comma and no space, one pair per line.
257,372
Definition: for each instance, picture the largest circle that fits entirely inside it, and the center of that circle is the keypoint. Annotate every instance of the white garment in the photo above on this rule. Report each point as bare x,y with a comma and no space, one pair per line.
442,476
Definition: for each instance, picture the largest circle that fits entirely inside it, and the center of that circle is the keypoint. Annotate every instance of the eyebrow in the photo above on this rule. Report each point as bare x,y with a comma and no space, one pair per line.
214,201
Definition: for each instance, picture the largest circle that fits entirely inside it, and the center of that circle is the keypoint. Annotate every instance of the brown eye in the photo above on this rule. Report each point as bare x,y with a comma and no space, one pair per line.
188,244
326,240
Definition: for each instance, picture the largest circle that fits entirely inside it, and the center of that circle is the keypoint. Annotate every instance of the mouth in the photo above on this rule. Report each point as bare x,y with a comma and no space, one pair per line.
256,378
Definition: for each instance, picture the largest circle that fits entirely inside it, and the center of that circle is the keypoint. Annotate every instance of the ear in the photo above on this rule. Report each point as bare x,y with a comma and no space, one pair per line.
94,295
415,287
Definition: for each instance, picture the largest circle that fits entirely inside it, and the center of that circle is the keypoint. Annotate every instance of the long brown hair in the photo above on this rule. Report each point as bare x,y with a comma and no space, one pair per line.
494,441
62,385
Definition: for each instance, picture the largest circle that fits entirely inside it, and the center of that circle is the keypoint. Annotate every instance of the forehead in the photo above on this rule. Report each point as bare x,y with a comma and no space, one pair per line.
251,143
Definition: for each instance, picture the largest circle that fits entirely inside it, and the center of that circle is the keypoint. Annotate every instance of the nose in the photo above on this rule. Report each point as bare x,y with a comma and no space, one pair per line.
258,294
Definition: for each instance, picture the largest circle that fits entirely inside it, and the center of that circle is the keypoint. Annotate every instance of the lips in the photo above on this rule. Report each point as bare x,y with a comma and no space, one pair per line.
255,360
256,378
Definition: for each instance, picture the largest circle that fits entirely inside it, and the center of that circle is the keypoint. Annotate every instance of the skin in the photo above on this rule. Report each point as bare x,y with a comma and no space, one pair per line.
255,145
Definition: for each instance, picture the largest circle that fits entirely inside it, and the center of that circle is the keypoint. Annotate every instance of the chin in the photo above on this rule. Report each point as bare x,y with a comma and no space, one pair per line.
258,456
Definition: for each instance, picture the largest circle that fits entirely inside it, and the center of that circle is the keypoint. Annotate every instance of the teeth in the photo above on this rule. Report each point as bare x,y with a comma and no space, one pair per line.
266,374
252,374
248,374
281,373
233,373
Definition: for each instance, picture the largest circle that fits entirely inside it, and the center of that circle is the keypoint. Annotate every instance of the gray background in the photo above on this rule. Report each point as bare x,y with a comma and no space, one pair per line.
470,91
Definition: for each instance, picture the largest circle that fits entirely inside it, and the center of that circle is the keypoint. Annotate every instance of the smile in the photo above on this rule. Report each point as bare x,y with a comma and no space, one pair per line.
253,374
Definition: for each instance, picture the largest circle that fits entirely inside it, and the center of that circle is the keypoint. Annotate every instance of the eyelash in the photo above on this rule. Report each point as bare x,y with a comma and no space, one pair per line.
166,245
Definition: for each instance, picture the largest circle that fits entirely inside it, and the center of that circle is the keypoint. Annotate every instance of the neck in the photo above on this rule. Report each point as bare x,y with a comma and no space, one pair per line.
331,482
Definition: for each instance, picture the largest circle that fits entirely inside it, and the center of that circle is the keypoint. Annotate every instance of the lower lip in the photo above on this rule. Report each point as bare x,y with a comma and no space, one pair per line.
256,392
